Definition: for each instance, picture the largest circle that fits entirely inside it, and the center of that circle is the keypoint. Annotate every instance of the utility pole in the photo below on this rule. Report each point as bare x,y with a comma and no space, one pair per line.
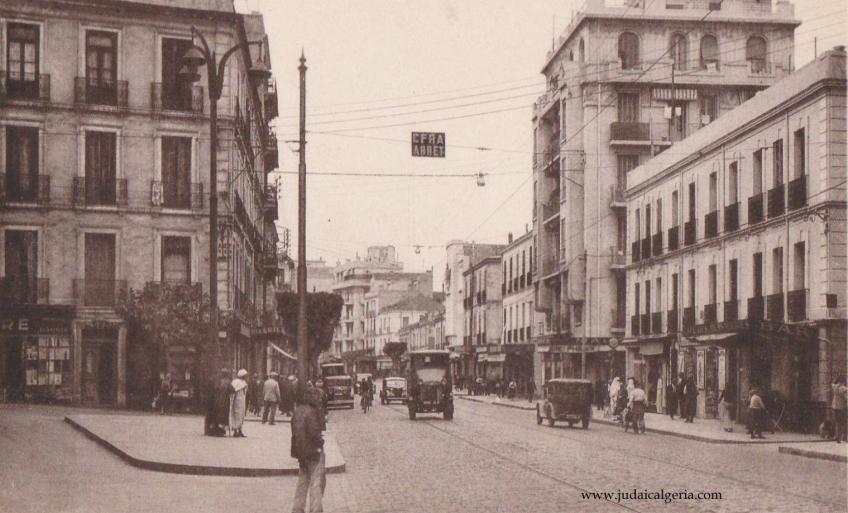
302,333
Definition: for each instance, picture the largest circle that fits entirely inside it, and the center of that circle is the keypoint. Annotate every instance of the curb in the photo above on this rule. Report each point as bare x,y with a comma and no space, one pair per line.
199,470
505,405
813,454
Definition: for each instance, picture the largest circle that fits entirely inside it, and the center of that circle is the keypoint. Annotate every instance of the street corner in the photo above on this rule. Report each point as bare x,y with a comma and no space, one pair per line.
176,444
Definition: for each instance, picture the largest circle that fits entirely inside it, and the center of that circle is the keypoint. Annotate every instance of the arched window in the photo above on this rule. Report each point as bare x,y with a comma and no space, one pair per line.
581,51
709,51
678,50
628,50
755,54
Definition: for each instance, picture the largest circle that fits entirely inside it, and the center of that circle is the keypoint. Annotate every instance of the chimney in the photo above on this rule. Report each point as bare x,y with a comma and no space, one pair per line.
509,238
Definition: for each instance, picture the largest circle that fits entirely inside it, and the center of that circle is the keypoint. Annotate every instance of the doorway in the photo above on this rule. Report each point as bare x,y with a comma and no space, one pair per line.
99,372
13,377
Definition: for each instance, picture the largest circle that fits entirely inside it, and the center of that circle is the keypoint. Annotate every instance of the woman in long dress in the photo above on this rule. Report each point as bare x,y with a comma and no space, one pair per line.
238,403
613,395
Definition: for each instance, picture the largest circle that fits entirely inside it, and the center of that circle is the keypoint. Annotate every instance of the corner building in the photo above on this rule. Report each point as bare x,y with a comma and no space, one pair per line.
104,155
750,288
625,81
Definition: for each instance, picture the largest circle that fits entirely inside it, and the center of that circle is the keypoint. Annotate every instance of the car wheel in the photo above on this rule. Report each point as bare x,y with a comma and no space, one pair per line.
411,414
585,422
551,421
538,416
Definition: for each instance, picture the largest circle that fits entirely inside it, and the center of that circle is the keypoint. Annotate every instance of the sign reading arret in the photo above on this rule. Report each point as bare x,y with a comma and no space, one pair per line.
428,144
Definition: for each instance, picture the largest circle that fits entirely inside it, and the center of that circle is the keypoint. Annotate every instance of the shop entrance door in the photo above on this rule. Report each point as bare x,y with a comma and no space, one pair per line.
98,376
13,377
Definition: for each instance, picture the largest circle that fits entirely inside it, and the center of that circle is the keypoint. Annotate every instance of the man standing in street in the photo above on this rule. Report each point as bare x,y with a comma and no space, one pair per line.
757,410
637,403
307,446
671,398
271,398
690,397
838,403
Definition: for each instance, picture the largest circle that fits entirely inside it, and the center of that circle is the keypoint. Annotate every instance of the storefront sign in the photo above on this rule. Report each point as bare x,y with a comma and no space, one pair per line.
22,324
789,330
428,144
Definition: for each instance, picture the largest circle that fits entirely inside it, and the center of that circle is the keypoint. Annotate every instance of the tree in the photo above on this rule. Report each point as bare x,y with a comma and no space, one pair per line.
323,311
395,350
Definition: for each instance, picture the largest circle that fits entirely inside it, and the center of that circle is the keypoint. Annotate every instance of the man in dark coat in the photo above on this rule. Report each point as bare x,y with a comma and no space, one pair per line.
218,406
307,446
671,398
690,396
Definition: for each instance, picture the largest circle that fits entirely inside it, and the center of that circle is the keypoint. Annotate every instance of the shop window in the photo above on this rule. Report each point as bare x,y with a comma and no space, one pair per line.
48,360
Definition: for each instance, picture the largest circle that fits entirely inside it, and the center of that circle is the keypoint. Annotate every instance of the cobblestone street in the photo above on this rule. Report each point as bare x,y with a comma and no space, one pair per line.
487,459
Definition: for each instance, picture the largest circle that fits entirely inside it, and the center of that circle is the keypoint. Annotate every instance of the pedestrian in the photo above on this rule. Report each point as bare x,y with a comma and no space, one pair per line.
690,397
218,406
255,390
531,391
512,389
238,404
270,398
671,398
726,400
287,395
307,446
758,410
166,390
838,404
613,395
636,404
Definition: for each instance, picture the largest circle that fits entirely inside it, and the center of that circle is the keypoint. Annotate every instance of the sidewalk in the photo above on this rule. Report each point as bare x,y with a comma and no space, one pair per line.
703,430
824,451
176,444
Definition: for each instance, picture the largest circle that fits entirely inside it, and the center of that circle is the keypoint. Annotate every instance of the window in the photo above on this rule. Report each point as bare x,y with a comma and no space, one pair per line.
659,215
678,51
733,183
176,172
21,163
800,265
628,50
678,120
675,208
713,192
100,159
733,269
628,107
647,221
101,63
691,291
755,54
709,52
636,306
709,108
621,233
800,144
22,57
711,278
581,51
659,303
637,231
777,163
647,296
757,175
674,291
176,90
691,201
21,267
99,289
405,322
777,270
176,259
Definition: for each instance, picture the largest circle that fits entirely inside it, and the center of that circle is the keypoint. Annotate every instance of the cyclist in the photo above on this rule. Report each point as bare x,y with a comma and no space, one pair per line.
366,392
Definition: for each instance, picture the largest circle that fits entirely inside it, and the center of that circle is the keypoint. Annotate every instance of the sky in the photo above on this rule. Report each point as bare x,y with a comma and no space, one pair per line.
412,64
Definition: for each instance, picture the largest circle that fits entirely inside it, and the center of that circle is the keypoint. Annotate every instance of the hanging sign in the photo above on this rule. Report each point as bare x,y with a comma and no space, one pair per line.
428,144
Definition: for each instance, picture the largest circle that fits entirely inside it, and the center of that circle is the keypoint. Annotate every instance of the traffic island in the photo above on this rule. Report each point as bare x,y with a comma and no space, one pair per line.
176,444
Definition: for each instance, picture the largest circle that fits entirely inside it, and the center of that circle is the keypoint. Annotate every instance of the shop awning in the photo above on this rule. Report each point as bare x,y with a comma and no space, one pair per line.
651,348
710,338
499,357
665,93
279,350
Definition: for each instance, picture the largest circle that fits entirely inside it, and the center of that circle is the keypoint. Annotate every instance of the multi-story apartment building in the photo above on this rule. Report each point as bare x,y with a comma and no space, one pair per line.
483,316
518,310
104,154
749,288
413,308
427,333
624,82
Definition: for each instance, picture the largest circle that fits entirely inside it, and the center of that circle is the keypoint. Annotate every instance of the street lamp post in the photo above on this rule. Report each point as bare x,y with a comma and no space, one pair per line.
195,57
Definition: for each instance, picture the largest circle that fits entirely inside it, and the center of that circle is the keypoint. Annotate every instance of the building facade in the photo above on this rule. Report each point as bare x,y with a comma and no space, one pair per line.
624,83
483,316
104,149
518,309
745,282
427,333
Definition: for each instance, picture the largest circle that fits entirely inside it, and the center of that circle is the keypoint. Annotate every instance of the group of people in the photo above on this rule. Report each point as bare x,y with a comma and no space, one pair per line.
628,403
683,395
510,389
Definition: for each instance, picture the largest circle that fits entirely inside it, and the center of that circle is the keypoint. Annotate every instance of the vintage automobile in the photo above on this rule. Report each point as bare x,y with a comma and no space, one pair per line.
429,385
359,377
333,369
565,399
394,389
339,391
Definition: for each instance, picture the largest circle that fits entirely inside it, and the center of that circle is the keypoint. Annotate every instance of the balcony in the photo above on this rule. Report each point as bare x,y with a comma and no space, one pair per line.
626,131
99,292
184,196
710,314
645,324
634,250
774,307
38,193
688,318
529,278
776,201
618,260
109,93
731,310
756,308
656,244
617,199
711,224
646,248
671,321
634,324
755,209
515,284
656,323
95,192
689,233
272,153
731,217
527,332
673,238
191,101
550,211
271,103
798,193
17,290
521,281
270,203
797,304
32,88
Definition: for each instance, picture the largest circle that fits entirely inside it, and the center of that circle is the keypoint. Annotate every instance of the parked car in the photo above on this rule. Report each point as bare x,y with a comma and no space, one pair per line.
394,389
338,391
429,383
565,399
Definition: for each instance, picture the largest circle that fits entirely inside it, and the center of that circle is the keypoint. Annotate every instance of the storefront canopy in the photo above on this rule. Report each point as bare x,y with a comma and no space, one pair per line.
498,357
279,350
651,348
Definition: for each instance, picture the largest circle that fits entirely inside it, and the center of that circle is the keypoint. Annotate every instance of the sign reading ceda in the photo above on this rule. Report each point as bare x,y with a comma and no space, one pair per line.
428,144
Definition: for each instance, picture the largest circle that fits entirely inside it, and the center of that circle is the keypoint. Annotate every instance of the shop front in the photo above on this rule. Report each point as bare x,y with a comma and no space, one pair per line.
490,366
650,365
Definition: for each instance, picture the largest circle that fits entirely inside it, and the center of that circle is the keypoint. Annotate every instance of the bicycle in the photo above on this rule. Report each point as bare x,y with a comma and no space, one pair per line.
366,402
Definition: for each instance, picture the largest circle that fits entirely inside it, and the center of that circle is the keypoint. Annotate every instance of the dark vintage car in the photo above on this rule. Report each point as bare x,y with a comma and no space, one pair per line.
565,399
429,384
394,389
339,391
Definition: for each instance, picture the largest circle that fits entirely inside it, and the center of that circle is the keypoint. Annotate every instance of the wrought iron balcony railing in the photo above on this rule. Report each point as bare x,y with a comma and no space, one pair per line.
774,307
776,201
24,290
796,302
31,87
177,195
755,209
99,292
798,193
673,238
88,91
731,217
190,100
90,191
36,193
